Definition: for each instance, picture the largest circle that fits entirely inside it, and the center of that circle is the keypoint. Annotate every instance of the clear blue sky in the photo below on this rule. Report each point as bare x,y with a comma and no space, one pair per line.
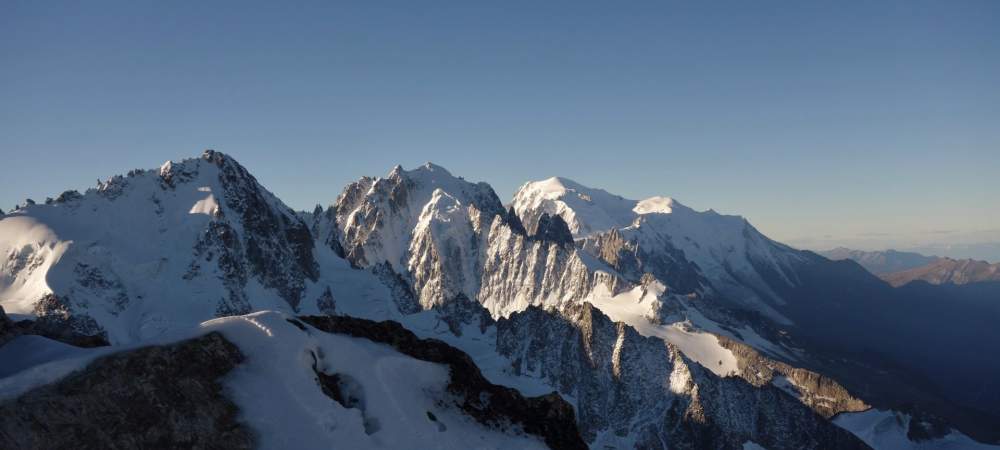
864,123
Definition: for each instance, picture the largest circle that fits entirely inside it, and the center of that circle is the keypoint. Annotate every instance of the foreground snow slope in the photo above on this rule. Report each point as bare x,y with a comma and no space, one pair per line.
279,397
390,400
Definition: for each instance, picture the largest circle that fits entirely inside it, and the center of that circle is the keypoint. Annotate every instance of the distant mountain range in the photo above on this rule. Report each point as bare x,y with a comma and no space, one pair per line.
418,310
882,261
899,268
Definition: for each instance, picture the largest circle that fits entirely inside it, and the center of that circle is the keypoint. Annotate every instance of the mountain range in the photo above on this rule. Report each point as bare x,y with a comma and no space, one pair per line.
899,268
418,310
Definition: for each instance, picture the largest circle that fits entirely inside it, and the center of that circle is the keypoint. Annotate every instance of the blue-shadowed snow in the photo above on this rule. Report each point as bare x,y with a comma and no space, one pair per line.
886,430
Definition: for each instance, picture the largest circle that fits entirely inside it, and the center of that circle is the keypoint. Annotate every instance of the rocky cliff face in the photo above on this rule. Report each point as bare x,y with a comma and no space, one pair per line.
633,390
153,397
820,393
521,270
425,225
449,239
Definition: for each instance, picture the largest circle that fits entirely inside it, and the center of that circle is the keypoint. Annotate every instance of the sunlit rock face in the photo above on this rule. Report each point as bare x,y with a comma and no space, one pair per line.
451,239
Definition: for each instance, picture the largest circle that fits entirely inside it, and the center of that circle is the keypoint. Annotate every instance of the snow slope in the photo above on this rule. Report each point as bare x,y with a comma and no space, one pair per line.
638,308
886,430
167,249
279,397
586,210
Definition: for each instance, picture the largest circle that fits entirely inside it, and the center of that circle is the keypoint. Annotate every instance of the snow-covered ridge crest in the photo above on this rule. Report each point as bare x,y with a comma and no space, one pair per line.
145,251
663,236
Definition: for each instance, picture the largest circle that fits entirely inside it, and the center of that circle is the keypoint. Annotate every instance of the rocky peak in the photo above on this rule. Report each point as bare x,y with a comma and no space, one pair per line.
425,224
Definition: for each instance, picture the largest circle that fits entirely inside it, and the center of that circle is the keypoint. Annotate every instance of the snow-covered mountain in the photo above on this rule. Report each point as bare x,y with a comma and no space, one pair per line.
662,326
158,249
680,246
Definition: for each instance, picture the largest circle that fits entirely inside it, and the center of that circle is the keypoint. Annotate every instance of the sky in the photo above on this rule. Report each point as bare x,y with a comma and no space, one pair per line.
865,124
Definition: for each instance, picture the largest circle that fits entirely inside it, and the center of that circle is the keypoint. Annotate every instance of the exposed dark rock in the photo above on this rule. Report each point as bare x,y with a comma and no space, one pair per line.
347,391
55,321
68,196
401,291
514,222
277,243
220,243
152,397
548,416
553,229
460,311
925,427
53,328
8,330
632,261
326,303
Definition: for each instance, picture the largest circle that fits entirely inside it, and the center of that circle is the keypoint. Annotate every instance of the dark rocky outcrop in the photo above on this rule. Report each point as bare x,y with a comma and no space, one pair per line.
68,196
8,330
76,330
553,229
514,222
548,416
152,397
823,394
